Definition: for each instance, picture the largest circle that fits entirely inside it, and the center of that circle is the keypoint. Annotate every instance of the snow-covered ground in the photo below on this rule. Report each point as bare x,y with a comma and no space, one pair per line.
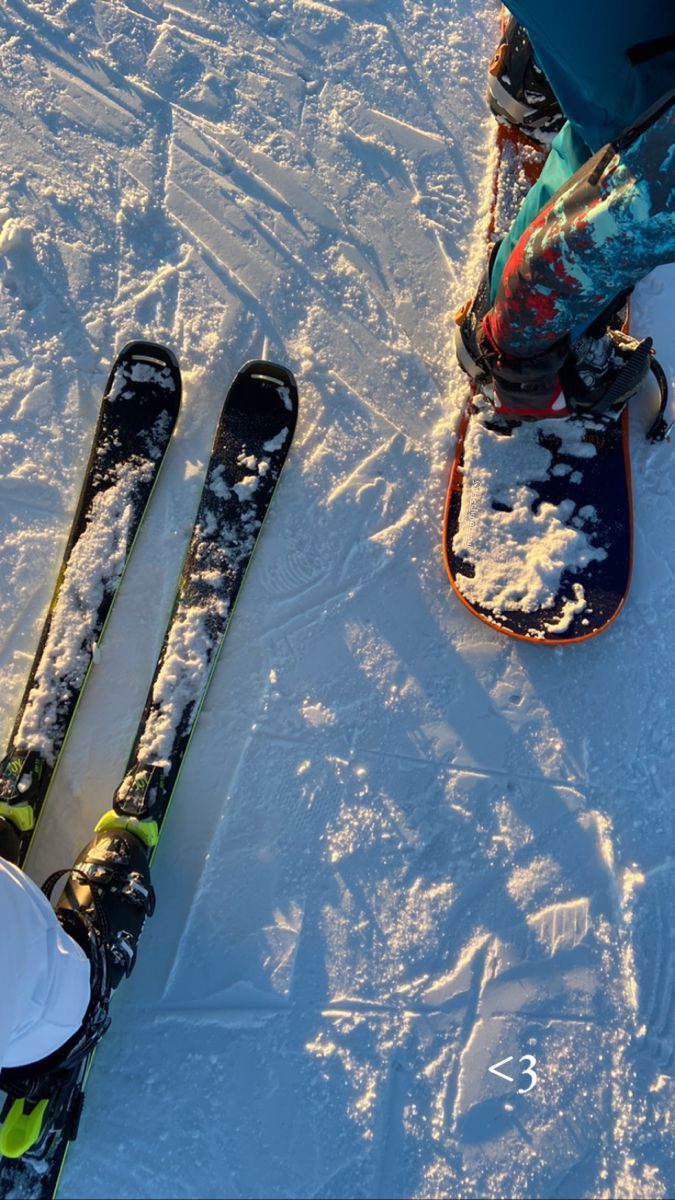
403,848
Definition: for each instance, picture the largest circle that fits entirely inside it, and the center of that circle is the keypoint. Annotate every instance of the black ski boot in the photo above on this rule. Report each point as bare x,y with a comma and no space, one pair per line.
109,889
10,841
103,907
519,93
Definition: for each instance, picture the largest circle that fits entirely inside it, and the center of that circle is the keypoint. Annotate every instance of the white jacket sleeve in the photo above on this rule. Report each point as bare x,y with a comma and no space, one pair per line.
44,974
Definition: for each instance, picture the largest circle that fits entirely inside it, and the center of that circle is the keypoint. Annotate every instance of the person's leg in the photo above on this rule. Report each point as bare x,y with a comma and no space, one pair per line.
66,963
605,229
592,240
607,63
567,154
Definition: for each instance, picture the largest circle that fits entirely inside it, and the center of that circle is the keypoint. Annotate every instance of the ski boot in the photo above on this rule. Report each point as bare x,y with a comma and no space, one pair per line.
103,907
10,841
109,896
519,93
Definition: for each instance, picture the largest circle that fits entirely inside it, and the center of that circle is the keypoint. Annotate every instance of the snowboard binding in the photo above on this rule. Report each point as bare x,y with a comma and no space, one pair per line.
594,377
10,841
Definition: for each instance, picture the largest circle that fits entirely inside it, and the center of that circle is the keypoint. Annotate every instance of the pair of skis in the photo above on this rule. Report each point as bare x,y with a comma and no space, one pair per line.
138,413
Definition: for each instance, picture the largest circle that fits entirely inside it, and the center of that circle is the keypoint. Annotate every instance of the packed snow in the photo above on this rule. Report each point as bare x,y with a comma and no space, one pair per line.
404,848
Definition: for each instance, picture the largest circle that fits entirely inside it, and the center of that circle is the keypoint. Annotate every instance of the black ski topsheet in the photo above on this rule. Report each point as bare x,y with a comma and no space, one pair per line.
252,440
137,416
250,447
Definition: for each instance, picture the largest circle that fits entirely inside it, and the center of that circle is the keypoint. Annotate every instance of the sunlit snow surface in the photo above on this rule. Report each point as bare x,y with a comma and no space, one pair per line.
404,848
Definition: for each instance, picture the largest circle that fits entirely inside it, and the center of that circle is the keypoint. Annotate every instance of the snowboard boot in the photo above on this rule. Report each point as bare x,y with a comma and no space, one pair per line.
594,377
468,323
519,93
516,388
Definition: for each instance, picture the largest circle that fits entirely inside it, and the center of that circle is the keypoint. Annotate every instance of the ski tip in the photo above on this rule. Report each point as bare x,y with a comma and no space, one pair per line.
149,352
269,372
153,355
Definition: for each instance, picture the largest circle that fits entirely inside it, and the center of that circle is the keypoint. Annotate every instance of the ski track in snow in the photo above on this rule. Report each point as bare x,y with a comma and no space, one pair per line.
403,847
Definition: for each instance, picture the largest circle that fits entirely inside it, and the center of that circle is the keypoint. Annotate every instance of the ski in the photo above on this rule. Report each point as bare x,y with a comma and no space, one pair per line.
250,447
138,412
249,451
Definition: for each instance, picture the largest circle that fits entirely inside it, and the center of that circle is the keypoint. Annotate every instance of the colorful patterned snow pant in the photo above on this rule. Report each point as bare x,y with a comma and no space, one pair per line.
607,62
604,230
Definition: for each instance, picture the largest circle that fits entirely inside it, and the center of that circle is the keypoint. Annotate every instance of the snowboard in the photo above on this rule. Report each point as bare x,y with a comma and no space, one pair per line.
138,412
538,527
251,444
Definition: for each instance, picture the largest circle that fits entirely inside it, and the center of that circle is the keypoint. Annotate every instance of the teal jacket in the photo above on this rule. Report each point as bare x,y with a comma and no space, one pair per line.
606,60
